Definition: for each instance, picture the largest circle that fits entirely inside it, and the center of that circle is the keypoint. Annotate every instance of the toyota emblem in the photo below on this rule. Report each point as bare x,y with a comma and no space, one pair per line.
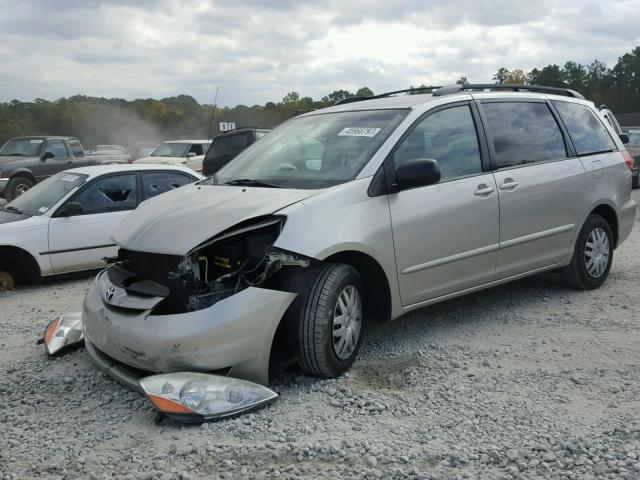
111,292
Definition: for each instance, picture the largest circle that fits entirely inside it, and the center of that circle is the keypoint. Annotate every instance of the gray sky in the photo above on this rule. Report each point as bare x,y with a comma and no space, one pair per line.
257,51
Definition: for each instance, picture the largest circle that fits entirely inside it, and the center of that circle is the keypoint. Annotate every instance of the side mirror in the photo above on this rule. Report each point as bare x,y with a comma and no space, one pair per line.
70,209
624,137
47,155
191,155
418,172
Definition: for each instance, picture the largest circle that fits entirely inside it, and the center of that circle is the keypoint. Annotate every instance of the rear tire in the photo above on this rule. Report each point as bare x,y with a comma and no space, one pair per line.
330,320
16,186
592,257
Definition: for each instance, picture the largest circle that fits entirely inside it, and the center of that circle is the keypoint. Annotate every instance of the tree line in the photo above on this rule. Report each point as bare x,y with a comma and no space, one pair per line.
101,120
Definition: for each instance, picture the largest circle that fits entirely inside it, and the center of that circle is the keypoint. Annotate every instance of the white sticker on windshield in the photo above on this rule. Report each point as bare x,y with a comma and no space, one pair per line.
43,209
359,132
37,141
70,178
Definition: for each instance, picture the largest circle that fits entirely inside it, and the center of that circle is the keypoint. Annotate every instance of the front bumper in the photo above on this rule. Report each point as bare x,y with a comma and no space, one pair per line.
235,333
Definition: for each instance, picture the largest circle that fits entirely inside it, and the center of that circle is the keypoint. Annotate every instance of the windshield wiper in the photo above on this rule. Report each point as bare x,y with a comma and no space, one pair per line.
250,182
9,208
14,155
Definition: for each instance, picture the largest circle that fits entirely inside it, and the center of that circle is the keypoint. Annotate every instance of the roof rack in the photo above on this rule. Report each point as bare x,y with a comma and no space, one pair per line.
452,89
386,94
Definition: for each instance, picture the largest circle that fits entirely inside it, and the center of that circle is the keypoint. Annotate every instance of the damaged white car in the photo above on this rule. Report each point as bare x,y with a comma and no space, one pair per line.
366,209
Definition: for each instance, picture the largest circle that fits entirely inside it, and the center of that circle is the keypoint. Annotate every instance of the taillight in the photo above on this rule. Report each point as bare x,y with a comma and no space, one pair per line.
628,159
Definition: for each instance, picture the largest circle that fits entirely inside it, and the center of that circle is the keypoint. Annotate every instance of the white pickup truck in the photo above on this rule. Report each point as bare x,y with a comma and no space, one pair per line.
189,153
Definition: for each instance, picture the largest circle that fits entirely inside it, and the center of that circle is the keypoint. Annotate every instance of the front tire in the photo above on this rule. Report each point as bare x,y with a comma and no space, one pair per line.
331,321
592,257
16,186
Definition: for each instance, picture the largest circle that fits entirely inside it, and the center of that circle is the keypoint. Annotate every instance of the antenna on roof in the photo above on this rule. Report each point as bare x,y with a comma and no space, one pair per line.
213,111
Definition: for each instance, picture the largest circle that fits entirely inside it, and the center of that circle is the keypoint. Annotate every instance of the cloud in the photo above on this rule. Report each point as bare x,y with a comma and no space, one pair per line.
257,51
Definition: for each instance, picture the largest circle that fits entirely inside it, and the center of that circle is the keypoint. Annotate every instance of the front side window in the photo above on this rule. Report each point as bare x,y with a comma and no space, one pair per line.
197,149
56,148
44,195
586,130
156,183
346,141
109,194
523,132
447,136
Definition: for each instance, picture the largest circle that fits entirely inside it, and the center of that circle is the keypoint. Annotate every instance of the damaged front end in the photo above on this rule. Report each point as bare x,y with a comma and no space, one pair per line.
233,260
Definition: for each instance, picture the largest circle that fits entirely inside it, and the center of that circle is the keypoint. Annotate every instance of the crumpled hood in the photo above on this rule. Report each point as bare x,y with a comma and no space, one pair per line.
175,222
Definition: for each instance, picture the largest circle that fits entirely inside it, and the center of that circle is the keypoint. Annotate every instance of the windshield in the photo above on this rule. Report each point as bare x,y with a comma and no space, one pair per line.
171,150
22,147
634,138
316,151
44,195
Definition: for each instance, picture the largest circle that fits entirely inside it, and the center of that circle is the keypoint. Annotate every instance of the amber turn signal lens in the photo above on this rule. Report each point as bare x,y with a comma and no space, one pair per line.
51,330
168,406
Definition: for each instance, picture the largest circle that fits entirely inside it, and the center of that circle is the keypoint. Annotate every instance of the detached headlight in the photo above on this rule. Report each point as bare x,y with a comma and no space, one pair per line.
63,332
197,397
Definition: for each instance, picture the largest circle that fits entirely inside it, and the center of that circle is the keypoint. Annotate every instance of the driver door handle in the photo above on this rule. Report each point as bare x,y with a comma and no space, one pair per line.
509,184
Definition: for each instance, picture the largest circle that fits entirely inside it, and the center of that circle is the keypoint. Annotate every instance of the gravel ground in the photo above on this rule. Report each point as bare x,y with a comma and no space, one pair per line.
527,380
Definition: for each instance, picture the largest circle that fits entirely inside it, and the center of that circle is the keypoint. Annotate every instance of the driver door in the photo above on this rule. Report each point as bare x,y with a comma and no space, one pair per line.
59,160
80,242
445,235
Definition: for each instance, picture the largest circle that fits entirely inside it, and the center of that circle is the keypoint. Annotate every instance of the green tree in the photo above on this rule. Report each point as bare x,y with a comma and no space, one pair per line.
501,75
364,92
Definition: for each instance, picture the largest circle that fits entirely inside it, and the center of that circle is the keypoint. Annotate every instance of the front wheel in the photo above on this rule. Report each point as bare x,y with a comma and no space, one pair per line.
592,257
16,186
331,321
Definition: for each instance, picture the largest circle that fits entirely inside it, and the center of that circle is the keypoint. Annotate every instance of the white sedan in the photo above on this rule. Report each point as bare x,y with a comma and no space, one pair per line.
189,153
64,224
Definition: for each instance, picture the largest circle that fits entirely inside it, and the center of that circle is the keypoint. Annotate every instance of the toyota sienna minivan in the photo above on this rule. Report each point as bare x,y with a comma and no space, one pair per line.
367,209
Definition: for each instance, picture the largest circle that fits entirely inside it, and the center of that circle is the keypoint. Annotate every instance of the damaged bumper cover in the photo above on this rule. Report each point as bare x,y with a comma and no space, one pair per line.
236,333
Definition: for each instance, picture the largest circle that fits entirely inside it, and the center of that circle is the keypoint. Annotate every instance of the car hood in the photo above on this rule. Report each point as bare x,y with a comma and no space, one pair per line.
10,217
175,222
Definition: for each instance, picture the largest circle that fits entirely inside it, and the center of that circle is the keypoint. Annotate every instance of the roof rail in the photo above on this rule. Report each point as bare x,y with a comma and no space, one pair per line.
386,94
451,89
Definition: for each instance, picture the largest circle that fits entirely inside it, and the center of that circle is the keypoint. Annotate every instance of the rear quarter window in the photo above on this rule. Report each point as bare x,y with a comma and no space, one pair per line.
588,133
523,132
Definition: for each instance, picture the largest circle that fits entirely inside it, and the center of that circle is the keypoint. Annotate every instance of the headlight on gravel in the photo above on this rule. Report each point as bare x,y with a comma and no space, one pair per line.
197,397
63,332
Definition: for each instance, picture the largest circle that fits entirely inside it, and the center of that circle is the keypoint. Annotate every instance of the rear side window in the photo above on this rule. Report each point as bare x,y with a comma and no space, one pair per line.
109,194
156,183
523,132
76,148
587,132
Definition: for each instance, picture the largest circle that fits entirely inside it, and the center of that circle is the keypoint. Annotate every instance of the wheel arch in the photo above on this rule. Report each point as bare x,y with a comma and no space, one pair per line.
24,173
609,214
11,257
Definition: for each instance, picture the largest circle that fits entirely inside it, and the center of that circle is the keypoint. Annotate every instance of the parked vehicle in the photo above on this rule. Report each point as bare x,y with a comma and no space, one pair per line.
141,149
395,203
633,147
25,161
189,153
226,146
64,224
110,154
611,119
145,152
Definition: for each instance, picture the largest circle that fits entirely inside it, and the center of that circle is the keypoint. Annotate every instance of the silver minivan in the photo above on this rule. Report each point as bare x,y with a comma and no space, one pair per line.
368,209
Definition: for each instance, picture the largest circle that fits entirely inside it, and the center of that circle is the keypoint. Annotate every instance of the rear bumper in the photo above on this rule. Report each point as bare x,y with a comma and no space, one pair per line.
235,333
627,215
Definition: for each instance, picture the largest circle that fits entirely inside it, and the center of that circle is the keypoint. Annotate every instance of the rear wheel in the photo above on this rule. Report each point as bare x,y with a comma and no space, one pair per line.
16,186
592,257
331,321
7,282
